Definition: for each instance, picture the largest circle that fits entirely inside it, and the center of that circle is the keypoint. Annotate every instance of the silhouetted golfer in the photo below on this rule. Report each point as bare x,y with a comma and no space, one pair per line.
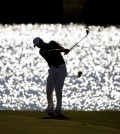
51,52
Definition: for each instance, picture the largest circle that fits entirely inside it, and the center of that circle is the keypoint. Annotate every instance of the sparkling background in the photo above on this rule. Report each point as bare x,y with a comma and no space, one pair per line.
23,71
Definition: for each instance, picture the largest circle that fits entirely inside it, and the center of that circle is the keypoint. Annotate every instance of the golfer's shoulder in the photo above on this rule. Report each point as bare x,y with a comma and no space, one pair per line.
54,44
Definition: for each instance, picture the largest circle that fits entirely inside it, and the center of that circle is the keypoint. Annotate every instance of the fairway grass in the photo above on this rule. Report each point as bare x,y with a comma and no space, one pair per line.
75,122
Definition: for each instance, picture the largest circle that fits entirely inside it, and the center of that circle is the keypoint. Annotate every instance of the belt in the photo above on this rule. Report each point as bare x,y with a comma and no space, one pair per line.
57,66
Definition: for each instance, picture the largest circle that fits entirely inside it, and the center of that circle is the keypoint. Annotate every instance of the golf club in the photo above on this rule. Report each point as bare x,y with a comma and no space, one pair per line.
80,73
87,32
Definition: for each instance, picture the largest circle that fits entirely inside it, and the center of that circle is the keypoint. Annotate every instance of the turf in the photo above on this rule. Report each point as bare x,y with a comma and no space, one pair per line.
75,122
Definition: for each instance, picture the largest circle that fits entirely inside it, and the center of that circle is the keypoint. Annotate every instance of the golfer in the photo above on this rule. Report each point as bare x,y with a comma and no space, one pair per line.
51,52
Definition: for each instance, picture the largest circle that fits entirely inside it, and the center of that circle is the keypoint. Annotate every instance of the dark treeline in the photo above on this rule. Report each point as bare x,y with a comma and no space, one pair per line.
51,11
32,11
101,12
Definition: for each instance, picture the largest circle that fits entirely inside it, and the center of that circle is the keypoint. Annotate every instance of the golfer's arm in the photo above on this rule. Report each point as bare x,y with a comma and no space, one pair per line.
58,50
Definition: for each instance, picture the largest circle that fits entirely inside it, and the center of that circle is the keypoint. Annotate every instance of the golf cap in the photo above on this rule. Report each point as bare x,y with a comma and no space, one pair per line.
37,41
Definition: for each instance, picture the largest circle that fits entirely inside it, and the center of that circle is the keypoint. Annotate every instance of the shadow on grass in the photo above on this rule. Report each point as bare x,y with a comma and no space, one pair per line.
56,117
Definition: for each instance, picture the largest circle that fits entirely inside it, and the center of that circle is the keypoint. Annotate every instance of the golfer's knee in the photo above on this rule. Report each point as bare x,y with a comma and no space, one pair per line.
59,92
49,91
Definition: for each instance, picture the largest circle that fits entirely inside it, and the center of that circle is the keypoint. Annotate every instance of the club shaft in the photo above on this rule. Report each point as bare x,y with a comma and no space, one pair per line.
78,42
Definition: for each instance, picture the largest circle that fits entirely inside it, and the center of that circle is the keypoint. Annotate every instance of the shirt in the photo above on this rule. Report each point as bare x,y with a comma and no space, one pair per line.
52,58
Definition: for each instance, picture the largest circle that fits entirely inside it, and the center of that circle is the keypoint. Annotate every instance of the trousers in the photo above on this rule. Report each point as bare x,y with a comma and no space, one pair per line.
55,81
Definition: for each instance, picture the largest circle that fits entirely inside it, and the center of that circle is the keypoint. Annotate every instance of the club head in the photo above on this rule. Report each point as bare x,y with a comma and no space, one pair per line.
79,74
87,31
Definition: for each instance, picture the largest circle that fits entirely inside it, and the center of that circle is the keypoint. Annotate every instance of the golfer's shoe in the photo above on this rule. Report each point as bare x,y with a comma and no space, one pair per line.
58,113
47,110
51,113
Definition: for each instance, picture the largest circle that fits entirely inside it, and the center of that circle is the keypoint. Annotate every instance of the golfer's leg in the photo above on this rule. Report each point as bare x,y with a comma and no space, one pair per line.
58,88
50,88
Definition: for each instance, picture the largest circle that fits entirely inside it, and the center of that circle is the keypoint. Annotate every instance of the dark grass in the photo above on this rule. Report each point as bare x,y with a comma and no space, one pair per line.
105,118
77,122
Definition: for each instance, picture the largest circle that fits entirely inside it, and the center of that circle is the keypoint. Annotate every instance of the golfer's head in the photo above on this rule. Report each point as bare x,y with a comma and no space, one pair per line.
38,42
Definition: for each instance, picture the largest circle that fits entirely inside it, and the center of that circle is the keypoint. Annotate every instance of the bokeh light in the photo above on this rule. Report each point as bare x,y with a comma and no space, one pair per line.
23,71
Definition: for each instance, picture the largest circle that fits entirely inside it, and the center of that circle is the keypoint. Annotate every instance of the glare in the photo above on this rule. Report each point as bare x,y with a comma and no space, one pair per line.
23,72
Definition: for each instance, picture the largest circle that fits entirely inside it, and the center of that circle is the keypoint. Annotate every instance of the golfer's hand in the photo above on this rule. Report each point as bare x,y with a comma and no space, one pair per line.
66,51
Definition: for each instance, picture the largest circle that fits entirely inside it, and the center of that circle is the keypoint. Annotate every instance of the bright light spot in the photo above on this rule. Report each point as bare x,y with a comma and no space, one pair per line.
23,71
